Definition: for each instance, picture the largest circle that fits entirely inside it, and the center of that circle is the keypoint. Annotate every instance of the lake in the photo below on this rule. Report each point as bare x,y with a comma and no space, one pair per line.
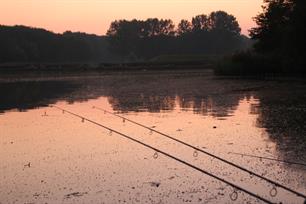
50,156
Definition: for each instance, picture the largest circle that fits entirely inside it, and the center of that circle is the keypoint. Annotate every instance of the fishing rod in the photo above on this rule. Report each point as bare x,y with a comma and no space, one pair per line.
267,158
209,154
233,195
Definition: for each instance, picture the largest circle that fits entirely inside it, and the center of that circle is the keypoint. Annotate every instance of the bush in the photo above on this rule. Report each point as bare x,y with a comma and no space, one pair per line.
249,63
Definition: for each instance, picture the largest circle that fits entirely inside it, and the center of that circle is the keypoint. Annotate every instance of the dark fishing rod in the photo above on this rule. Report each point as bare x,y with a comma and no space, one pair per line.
268,158
209,154
168,155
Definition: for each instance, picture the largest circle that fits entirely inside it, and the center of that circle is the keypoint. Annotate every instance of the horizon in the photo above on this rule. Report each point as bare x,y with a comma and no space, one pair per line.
95,16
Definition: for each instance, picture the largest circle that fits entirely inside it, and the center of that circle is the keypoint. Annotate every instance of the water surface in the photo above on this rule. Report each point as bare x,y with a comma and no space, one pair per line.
50,157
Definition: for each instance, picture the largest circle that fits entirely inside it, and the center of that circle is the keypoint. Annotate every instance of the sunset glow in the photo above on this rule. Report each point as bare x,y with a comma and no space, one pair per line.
95,16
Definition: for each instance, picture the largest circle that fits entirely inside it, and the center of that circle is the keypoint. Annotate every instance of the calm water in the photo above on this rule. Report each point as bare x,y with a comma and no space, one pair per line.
50,157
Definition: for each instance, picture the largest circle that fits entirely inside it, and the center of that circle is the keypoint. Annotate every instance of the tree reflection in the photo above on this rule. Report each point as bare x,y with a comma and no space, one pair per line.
131,92
282,112
32,94
281,109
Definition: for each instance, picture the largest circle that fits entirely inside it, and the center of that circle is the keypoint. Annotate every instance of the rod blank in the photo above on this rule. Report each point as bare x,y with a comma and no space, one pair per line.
170,156
208,153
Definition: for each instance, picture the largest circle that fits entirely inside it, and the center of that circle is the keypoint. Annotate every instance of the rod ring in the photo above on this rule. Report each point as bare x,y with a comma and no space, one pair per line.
273,192
195,153
234,196
155,156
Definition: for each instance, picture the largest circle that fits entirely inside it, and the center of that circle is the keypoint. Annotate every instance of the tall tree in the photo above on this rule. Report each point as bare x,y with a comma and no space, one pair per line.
124,36
280,33
132,37
156,27
200,23
272,24
184,27
295,39
222,21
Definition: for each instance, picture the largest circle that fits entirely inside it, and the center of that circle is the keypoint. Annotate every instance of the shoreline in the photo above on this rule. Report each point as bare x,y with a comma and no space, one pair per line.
71,67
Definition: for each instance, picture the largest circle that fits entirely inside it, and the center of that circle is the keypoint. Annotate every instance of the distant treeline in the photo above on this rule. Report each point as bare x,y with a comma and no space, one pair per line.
280,42
25,44
217,34
125,41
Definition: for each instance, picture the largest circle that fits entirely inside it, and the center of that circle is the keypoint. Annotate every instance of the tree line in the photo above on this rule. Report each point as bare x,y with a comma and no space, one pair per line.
217,33
126,41
26,44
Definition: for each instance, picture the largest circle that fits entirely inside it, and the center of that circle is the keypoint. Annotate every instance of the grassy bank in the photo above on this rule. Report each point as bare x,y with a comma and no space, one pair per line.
251,64
165,62
103,67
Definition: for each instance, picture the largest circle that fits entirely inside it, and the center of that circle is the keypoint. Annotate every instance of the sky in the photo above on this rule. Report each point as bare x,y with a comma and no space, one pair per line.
95,16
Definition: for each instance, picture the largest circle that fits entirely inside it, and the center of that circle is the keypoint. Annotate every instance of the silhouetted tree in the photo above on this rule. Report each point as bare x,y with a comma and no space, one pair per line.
222,21
271,25
295,36
219,20
200,23
184,27
156,27
124,36
280,32
133,38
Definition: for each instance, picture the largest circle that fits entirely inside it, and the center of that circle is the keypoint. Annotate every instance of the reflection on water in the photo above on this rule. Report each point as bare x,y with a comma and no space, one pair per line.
32,94
56,158
139,92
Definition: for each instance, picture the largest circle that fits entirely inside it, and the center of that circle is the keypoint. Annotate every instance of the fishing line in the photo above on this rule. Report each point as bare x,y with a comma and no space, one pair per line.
236,187
207,153
267,158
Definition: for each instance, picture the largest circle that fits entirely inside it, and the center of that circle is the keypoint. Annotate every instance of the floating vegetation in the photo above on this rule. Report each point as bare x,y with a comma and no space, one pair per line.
75,194
154,184
28,165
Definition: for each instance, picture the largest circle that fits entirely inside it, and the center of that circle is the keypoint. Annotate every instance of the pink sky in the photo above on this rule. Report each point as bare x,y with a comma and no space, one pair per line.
95,16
